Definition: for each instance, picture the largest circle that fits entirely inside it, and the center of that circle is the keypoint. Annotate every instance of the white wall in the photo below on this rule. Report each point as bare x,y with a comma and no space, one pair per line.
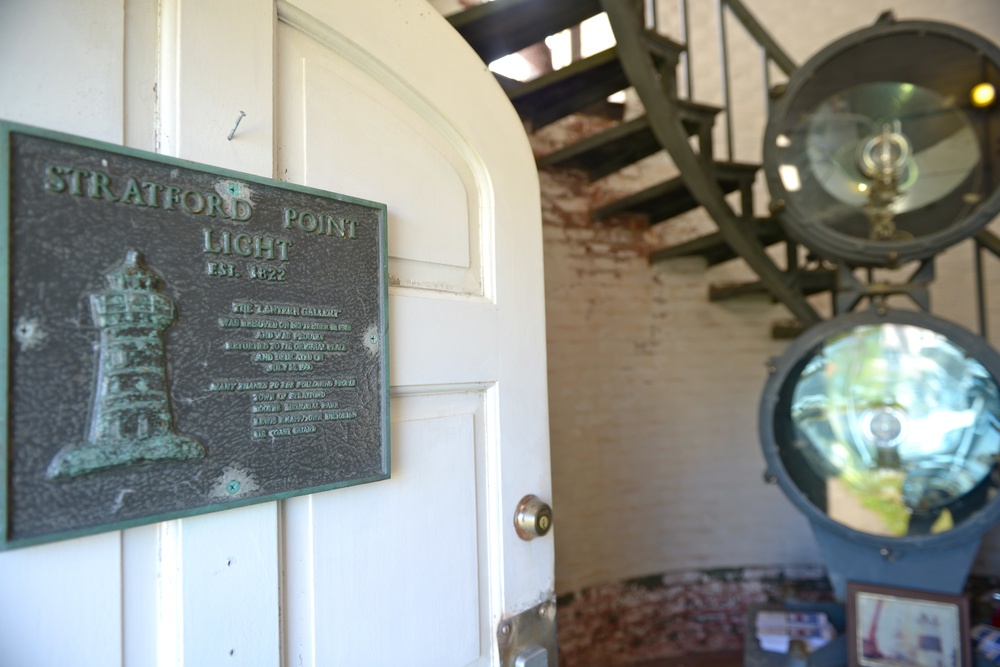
654,390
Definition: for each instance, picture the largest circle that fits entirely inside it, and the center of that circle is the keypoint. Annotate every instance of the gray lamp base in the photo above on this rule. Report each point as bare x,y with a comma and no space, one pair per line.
942,570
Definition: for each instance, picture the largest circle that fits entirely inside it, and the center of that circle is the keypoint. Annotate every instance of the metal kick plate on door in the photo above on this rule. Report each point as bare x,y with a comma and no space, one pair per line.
181,338
529,638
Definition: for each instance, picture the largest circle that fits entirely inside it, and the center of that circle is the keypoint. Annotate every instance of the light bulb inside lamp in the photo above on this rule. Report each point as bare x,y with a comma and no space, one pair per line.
883,159
983,95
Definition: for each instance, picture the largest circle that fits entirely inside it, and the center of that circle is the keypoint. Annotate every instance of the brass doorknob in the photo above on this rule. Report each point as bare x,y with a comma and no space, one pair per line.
533,518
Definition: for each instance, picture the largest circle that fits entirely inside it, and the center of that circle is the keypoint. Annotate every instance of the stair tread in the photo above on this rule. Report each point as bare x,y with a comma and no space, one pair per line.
616,148
811,281
714,248
496,29
602,146
664,47
579,70
672,197
556,94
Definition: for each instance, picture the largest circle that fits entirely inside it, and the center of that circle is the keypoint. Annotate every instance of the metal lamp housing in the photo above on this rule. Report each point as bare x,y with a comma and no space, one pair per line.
875,153
893,417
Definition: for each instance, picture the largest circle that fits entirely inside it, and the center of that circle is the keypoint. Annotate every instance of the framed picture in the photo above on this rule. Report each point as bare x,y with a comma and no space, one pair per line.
898,627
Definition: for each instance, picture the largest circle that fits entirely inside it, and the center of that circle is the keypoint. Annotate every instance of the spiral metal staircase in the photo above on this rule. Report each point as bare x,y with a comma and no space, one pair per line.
651,64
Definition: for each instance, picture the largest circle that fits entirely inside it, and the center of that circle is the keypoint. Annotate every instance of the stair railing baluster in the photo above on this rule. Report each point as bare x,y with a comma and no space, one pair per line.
770,50
726,88
985,241
980,288
761,36
685,38
765,61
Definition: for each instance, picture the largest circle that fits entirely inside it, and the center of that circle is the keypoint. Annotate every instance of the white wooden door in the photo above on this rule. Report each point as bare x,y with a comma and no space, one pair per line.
378,100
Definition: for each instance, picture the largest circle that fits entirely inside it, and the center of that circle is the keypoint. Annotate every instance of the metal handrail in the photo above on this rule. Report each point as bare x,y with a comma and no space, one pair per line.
760,35
771,52
644,74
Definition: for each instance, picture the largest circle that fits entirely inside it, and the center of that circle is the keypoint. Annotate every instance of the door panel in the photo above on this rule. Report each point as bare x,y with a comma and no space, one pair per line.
74,586
400,575
228,568
378,100
434,227
215,59
381,142
433,504
74,87
405,567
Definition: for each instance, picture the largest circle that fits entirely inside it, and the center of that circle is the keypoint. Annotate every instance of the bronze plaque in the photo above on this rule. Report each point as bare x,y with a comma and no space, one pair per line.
181,338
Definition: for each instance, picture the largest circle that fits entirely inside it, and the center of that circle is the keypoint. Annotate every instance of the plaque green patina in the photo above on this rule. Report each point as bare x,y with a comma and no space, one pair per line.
180,338
131,419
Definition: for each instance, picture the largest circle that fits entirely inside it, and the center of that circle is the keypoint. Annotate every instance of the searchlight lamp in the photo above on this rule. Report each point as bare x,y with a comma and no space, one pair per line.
883,428
882,148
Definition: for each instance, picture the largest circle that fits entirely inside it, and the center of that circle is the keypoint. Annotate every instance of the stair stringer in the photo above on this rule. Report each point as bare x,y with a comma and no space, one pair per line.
665,122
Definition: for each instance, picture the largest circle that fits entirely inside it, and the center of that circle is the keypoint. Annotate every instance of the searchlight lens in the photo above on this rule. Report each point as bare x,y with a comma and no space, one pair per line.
877,150
890,429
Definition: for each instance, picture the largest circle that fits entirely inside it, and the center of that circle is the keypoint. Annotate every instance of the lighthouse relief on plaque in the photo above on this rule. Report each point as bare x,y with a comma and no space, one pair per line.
180,338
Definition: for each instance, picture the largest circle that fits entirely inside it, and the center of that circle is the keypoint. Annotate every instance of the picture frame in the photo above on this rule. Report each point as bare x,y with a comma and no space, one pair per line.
898,627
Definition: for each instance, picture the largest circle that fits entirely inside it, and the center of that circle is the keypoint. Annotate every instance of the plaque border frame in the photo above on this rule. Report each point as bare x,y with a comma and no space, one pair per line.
7,128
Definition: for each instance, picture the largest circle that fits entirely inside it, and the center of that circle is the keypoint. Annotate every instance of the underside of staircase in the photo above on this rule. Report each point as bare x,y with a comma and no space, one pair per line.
647,62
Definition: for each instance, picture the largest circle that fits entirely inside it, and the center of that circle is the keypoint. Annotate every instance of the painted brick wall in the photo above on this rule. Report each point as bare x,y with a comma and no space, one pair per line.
654,390
652,404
